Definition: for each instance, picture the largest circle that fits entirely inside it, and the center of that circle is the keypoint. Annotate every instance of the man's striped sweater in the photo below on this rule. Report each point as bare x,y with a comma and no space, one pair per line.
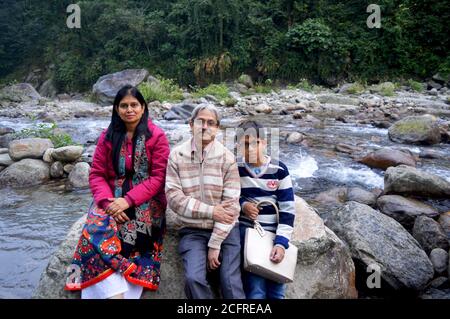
196,183
274,184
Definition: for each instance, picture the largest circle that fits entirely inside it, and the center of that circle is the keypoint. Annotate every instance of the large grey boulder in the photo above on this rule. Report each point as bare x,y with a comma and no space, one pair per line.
423,129
429,234
378,240
406,180
29,148
67,153
27,172
181,111
386,157
21,92
107,86
324,269
405,210
79,175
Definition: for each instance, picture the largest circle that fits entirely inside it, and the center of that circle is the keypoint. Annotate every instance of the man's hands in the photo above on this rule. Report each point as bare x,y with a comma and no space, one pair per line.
250,210
223,213
277,254
117,208
213,258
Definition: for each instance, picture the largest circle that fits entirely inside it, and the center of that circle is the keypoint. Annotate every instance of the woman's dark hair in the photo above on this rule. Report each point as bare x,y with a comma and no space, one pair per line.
117,130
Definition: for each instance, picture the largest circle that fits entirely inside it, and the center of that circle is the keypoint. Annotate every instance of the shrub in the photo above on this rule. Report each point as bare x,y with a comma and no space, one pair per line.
44,130
165,90
415,86
219,91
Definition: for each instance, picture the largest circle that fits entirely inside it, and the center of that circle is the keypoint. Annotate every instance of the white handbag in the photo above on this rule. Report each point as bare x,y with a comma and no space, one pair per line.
257,248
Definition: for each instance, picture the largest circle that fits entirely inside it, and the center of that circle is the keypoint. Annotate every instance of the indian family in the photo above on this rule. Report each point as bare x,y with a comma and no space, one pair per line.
135,177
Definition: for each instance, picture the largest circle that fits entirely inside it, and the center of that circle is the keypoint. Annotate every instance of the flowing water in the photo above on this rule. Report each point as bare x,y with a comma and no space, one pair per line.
34,221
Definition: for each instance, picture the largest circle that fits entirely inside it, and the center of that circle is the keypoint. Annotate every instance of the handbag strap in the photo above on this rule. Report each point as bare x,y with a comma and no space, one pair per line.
258,204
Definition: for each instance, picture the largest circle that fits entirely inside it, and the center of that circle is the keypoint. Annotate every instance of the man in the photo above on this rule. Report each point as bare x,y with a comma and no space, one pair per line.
203,189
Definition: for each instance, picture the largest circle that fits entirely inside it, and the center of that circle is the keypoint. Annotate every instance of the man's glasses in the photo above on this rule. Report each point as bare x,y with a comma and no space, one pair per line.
210,123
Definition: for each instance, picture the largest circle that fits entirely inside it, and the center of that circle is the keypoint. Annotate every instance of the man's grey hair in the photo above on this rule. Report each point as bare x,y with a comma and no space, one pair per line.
205,106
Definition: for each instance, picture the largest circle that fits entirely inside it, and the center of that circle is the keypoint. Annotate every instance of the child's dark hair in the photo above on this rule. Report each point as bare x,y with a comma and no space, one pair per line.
250,128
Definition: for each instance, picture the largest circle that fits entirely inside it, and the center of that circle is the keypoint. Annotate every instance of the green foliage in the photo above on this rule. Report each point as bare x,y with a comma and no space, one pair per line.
220,91
165,90
43,130
415,86
385,89
356,88
303,85
229,101
197,42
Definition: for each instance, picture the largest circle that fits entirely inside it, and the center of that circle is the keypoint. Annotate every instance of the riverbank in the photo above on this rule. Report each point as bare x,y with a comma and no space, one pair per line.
324,136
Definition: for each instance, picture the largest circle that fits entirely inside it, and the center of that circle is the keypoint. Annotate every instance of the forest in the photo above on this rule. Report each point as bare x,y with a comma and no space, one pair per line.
198,42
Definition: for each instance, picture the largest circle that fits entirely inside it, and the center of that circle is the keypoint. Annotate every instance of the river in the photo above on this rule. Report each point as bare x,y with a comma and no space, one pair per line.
35,220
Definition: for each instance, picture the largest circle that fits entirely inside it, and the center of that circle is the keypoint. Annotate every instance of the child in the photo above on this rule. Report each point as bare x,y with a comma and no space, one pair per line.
263,178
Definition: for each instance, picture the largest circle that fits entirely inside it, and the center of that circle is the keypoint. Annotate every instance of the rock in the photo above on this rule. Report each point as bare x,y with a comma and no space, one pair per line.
67,153
29,148
48,89
440,283
107,86
88,154
432,85
444,221
57,170
324,269
79,176
181,111
5,140
246,80
298,115
406,180
386,157
376,239
6,130
47,157
422,129
21,92
432,154
337,99
441,78
5,160
337,195
68,168
4,150
429,234
295,137
361,196
27,172
263,108
433,92
405,210
439,259
348,149
433,293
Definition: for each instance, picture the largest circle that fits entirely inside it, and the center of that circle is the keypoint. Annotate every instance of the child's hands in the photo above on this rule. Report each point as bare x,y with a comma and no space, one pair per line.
277,254
250,210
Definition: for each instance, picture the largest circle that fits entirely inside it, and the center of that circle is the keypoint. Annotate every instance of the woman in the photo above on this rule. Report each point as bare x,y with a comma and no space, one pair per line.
119,251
